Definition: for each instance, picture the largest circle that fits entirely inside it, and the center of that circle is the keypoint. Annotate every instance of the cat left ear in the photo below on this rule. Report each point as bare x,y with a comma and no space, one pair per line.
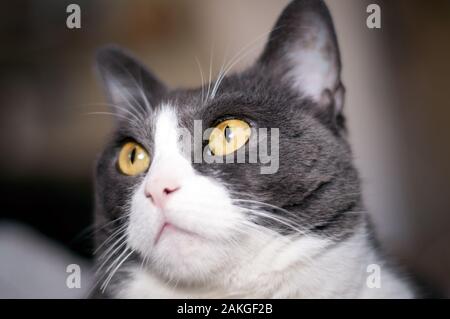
127,82
303,52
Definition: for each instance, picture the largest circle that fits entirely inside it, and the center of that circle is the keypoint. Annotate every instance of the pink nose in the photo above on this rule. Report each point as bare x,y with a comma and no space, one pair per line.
159,191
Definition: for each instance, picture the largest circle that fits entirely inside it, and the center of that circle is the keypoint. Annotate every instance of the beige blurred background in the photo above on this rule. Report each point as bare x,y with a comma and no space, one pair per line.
397,105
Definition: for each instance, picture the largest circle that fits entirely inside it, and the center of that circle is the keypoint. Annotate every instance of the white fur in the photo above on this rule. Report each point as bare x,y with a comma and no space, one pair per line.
314,69
227,256
306,268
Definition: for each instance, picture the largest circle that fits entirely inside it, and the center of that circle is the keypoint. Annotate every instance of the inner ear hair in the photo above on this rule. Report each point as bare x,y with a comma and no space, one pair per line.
333,99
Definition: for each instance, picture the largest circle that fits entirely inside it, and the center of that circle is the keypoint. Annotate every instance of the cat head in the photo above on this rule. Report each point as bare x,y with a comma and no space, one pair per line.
192,219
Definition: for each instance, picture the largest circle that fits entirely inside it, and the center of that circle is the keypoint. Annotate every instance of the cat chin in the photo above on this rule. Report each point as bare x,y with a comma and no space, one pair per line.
188,258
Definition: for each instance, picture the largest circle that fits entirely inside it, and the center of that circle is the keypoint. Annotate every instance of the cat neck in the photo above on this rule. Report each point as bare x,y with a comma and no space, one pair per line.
310,268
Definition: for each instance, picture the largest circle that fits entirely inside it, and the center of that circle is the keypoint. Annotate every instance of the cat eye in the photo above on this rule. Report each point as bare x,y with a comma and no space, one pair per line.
133,159
228,136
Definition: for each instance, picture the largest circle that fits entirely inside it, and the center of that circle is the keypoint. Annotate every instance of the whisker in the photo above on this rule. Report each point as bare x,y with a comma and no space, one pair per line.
121,241
114,115
140,88
242,53
202,78
121,91
141,92
117,107
221,72
108,257
210,70
111,275
292,225
255,202
91,230
111,237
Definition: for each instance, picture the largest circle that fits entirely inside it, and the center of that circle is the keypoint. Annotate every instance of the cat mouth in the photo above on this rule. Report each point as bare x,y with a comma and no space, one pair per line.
170,227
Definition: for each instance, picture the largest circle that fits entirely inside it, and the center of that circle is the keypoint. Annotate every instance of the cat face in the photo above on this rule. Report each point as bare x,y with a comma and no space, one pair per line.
193,220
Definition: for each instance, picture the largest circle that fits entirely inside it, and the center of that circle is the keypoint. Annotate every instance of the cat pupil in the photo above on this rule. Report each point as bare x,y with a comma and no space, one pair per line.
227,133
133,155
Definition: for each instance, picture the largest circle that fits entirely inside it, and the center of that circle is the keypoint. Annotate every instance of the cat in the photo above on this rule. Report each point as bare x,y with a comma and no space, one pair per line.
171,227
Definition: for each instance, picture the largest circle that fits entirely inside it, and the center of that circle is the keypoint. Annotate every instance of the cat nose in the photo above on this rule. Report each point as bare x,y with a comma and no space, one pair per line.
160,190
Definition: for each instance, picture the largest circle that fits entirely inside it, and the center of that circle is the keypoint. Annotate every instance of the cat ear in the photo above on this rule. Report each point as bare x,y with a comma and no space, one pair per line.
303,51
127,82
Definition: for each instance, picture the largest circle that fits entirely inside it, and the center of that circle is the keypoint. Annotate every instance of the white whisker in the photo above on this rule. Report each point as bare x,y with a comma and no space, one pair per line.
242,53
111,275
202,78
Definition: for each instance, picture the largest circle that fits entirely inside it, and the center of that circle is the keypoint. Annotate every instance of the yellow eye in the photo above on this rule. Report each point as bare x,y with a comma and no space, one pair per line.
229,136
133,159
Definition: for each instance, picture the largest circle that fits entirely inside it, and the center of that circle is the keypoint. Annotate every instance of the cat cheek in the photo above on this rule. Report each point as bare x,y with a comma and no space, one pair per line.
143,224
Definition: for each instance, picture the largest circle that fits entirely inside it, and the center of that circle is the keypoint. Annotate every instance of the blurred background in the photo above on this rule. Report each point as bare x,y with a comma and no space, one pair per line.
397,107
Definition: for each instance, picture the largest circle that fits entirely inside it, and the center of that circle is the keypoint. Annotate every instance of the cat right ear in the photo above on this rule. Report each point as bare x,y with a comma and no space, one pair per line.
303,52
127,82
